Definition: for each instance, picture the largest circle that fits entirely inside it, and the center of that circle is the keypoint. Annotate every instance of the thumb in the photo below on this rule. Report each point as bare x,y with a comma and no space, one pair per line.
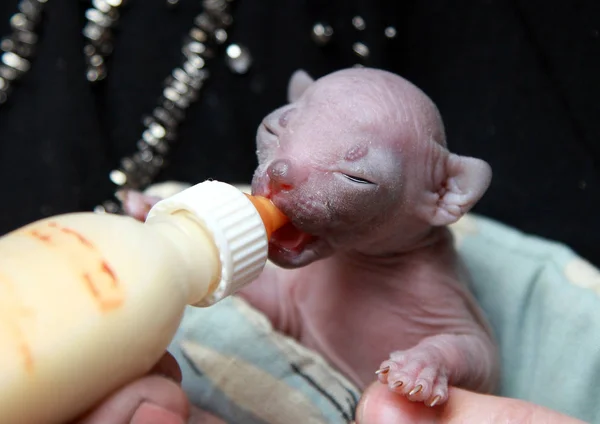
379,405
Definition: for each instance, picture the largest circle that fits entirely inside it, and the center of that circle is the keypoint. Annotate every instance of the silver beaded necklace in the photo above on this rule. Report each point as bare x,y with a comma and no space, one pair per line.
182,87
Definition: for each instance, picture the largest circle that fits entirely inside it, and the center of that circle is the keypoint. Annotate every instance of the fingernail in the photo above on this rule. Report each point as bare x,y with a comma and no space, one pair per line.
397,384
149,413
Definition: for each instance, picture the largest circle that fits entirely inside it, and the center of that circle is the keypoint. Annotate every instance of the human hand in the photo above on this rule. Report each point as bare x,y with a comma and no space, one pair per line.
379,405
154,398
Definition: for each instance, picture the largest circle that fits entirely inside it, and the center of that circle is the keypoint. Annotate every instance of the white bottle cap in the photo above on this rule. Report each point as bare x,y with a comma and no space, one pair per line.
235,226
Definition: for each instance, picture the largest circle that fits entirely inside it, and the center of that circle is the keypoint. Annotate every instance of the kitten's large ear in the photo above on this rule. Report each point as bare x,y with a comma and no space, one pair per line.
299,82
466,181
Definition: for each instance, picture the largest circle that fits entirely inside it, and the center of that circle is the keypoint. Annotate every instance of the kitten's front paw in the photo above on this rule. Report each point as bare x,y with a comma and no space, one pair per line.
417,374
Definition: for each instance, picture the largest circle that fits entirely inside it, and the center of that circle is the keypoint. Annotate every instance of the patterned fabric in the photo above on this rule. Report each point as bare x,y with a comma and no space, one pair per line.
237,367
543,301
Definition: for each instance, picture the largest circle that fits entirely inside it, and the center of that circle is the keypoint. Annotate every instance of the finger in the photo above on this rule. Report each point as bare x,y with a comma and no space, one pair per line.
121,407
149,413
379,405
168,367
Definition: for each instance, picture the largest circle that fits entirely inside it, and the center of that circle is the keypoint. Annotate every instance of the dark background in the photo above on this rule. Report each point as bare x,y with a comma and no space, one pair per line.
517,83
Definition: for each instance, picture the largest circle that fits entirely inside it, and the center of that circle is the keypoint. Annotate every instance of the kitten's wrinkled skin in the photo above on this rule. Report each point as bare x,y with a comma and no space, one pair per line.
358,161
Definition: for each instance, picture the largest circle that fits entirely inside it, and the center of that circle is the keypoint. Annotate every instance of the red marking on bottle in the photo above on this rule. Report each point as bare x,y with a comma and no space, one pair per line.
13,316
81,238
91,286
98,276
39,236
107,269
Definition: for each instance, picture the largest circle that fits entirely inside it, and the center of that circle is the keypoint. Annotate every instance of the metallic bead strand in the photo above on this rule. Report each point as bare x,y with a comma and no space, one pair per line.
19,46
181,88
101,18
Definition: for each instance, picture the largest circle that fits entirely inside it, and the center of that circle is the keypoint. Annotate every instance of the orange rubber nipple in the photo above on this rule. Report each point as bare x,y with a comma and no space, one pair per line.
272,217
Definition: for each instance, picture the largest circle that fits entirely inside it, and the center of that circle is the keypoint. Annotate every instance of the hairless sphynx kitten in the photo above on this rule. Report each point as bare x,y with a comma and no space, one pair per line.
358,161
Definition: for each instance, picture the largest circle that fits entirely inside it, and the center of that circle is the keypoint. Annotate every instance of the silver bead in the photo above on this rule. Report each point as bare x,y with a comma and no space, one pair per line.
164,117
9,44
171,94
31,9
26,37
89,50
94,32
146,156
192,71
361,50
220,36
180,87
8,73
390,32
111,207
198,35
102,6
215,6
359,23
115,3
238,58
157,130
15,61
99,209
118,177
20,22
96,74
180,75
195,47
321,33
194,59
99,18
96,61
149,138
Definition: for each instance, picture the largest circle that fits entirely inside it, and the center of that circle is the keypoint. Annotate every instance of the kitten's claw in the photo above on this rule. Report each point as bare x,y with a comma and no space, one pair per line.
382,370
415,390
435,401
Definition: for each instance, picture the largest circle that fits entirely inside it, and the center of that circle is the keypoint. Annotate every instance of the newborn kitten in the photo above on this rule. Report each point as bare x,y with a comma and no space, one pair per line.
367,273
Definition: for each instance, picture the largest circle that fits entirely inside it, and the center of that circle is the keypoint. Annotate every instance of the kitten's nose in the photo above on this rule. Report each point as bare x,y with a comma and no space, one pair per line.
281,175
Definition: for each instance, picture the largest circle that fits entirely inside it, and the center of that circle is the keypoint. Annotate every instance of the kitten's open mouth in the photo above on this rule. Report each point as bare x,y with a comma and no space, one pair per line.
290,239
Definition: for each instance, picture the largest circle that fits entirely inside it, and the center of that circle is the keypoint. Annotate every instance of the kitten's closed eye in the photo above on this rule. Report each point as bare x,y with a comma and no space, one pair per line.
357,179
269,129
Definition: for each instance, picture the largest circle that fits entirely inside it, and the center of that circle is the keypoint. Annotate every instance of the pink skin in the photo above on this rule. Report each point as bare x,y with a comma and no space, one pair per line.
136,204
367,273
